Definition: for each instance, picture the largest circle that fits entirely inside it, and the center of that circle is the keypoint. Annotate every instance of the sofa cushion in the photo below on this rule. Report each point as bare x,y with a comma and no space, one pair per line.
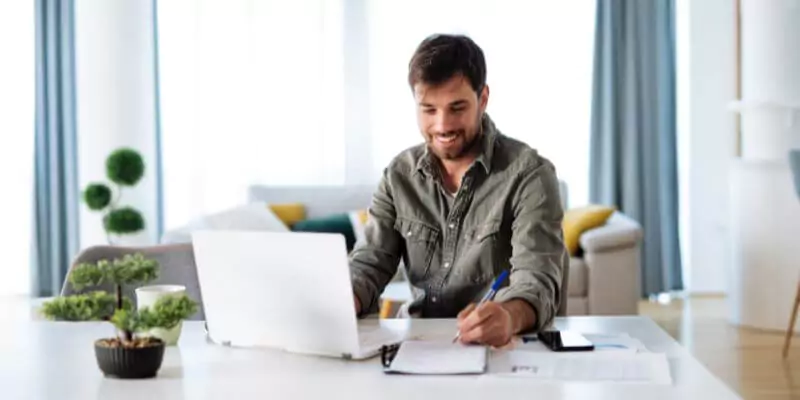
289,213
578,276
337,223
248,217
579,220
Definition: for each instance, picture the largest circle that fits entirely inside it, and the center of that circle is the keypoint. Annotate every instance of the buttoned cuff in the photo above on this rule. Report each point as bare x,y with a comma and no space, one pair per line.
366,295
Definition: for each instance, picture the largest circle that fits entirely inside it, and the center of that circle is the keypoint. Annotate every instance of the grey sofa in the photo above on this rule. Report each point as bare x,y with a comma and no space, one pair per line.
604,280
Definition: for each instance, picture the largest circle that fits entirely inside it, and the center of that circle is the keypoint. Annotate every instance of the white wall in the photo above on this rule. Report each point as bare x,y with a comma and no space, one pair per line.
116,103
712,141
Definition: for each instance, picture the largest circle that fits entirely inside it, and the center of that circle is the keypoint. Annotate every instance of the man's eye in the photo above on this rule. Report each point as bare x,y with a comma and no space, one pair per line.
458,110
429,111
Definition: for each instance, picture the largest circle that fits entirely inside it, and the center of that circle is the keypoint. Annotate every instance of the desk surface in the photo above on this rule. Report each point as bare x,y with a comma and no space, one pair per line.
47,360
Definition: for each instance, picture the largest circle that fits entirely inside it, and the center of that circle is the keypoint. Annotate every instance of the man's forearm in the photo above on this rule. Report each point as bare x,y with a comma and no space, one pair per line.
523,317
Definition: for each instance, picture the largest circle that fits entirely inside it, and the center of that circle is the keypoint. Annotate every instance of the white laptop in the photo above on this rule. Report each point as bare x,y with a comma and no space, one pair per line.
285,290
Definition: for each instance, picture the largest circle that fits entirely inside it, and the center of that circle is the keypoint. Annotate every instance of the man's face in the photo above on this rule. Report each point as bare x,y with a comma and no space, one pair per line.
449,116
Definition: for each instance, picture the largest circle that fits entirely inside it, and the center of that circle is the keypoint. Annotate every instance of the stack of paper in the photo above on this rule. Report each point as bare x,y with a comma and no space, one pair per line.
584,366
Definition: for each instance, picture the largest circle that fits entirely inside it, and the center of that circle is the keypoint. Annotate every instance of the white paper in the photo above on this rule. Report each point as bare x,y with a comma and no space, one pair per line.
584,367
438,357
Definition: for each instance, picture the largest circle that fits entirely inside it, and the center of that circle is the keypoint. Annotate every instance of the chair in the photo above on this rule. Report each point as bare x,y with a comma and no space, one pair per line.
177,267
794,162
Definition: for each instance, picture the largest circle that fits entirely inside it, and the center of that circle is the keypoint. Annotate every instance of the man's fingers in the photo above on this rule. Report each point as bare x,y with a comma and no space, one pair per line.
483,333
477,316
465,312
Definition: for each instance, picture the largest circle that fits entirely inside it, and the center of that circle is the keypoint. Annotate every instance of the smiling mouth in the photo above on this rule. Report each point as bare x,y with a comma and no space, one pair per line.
446,138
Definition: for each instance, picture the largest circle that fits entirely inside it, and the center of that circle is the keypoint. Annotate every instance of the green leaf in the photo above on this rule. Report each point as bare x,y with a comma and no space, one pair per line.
125,220
87,274
131,269
125,167
168,311
165,313
126,320
94,306
97,196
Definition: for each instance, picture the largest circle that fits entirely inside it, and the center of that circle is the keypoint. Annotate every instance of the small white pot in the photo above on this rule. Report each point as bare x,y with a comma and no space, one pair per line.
146,296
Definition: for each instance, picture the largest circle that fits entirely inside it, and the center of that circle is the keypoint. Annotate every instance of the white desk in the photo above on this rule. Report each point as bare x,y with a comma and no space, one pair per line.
49,360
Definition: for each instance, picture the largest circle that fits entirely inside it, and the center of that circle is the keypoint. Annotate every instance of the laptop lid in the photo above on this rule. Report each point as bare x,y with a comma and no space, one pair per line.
278,289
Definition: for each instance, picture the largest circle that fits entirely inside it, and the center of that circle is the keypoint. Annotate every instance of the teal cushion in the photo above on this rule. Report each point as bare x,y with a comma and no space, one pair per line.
339,223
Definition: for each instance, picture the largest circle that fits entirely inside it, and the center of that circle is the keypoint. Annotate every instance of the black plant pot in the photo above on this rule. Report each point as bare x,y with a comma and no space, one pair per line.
129,363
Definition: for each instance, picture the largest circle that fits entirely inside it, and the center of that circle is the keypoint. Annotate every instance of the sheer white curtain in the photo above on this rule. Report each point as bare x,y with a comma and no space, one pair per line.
539,70
253,91
17,80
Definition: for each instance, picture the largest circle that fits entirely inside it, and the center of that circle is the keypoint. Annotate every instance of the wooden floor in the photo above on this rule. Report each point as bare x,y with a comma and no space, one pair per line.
749,361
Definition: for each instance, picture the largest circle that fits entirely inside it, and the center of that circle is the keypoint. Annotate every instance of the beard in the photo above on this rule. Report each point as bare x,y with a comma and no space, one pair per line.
455,145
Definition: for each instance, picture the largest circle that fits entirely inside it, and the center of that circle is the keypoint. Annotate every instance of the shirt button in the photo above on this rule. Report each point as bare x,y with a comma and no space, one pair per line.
409,233
452,226
447,265
433,299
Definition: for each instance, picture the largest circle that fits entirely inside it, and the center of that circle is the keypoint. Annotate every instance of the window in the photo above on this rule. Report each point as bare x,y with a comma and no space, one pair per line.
539,70
251,93
17,108
272,92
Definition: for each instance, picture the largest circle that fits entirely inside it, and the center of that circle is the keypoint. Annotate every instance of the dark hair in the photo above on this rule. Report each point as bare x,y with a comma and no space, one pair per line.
440,57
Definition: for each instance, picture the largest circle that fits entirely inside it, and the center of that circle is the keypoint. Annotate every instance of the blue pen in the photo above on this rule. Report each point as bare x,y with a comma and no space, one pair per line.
488,296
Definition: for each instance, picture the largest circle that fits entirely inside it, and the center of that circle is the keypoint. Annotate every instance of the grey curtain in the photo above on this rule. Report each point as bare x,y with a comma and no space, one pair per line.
55,225
633,140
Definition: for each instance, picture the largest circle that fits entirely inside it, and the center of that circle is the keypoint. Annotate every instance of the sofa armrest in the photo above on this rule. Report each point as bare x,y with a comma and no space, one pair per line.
620,231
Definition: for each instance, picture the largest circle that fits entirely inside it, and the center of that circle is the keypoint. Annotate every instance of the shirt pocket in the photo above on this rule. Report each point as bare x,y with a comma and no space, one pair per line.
420,243
484,242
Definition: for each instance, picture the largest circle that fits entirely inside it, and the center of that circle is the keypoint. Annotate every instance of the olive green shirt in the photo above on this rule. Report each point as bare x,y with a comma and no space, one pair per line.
507,214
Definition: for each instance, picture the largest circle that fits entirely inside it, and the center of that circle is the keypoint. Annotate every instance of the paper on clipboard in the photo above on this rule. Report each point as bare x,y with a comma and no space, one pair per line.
438,358
622,367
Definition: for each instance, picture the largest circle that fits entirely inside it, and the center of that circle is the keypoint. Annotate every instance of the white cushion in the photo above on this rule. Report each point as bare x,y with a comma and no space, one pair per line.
255,216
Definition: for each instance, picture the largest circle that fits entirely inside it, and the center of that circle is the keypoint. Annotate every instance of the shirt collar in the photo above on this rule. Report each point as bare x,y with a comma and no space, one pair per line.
487,141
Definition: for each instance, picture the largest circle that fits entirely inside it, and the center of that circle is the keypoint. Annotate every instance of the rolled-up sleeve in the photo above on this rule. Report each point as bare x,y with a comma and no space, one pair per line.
374,261
539,257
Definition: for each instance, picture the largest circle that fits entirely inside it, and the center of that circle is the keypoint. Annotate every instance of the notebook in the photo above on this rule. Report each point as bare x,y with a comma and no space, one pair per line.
434,358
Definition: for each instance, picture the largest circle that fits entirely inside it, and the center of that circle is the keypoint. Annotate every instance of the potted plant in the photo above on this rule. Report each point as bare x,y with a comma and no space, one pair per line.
130,354
124,168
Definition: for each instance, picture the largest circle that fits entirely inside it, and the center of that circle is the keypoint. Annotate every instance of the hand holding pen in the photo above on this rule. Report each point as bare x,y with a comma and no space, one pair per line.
468,320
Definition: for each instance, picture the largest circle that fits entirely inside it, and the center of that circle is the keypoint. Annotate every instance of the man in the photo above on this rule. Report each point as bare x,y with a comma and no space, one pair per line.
462,207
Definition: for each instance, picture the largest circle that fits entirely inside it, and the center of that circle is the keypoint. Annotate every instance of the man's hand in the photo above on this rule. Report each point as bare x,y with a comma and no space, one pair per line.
494,323
488,324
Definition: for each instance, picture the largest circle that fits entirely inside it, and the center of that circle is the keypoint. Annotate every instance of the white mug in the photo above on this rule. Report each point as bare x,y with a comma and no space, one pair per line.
146,296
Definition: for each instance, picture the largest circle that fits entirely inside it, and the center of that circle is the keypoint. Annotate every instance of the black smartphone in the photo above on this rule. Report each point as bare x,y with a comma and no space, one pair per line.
565,341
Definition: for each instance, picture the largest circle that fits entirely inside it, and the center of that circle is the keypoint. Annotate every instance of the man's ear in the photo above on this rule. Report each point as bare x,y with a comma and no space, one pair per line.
483,99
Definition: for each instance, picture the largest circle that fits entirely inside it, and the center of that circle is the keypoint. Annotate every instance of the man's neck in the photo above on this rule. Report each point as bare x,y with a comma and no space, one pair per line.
452,172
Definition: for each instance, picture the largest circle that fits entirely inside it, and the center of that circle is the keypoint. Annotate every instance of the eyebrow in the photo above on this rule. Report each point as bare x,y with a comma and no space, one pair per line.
453,104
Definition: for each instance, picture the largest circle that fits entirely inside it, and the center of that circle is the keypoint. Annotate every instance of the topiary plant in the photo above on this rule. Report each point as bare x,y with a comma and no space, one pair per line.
127,355
124,168
166,313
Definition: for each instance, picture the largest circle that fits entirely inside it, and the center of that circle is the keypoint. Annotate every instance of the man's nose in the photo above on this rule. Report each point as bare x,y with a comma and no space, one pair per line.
443,122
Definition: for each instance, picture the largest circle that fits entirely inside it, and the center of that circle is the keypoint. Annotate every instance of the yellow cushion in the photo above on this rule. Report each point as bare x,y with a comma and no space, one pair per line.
362,216
579,220
289,213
